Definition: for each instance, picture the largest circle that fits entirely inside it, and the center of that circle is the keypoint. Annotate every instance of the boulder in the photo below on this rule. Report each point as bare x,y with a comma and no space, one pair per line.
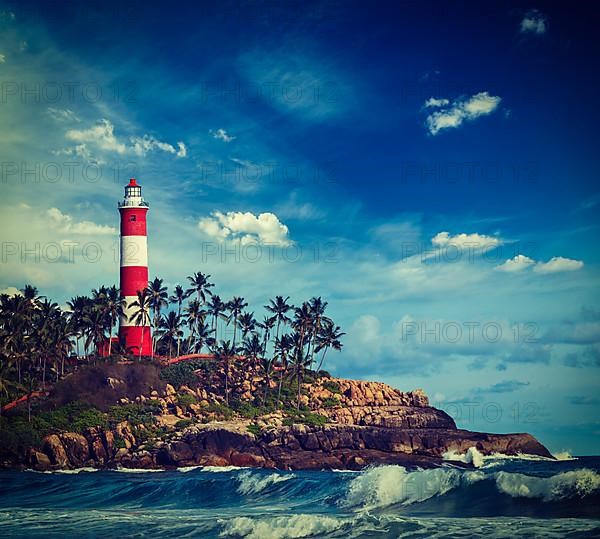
76,448
52,446
38,460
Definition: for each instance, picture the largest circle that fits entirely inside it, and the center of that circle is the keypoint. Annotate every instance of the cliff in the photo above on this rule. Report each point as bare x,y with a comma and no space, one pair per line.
346,425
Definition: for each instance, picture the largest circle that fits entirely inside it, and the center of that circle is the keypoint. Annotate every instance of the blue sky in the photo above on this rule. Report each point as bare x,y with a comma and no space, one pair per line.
428,169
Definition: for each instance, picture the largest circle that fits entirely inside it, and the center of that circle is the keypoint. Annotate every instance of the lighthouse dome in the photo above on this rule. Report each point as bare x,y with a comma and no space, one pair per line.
133,195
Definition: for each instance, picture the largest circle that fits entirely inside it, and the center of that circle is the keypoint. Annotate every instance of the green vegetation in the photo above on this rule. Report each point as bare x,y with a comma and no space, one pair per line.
255,429
330,403
18,433
332,386
183,373
40,343
183,423
185,400
135,414
305,417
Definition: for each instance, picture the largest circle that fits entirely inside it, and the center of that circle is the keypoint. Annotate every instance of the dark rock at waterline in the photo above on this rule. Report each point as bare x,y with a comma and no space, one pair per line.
292,447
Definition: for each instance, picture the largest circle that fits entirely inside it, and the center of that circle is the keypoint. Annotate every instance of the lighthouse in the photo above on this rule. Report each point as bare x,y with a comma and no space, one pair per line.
134,268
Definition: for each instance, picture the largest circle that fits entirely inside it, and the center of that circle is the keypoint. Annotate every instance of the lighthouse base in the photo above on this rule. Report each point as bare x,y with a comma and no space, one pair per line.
135,338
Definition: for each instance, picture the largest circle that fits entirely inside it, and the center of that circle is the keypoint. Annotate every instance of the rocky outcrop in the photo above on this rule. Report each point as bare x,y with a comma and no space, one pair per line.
368,423
292,447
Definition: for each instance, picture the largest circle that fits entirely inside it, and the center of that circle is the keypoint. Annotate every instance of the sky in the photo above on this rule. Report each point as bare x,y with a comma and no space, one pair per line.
429,169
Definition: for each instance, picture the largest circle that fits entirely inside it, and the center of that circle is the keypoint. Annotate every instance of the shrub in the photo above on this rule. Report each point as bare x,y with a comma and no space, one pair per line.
136,414
221,411
185,400
183,373
330,403
305,417
246,409
183,423
119,443
255,429
332,386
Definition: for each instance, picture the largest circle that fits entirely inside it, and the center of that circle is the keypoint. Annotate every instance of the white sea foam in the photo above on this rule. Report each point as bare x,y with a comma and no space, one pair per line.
574,484
288,527
222,469
389,485
186,469
563,455
251,483
477,459
137,470
472,456
67,472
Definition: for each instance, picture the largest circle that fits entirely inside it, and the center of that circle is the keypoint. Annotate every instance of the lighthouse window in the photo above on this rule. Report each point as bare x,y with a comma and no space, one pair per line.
132,218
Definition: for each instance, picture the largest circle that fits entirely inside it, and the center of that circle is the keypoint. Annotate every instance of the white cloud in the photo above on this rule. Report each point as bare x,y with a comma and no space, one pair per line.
534,22
432,102
517,263
11,291
221,134
474,241
147,143
101,135
480,104
557,264
62,115
64,223
245,227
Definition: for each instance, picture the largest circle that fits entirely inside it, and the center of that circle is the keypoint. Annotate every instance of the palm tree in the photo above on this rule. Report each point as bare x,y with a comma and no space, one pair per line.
283,346
303,324
171,330
203,337
247,323
279,307
95,324
317,308
140,316
193,315
178,296
113,309
328,337
77,306
216,308
266,325
200,285
225,354
235,307
158,299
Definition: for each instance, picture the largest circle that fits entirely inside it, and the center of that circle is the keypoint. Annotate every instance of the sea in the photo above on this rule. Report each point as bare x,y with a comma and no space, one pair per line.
500,497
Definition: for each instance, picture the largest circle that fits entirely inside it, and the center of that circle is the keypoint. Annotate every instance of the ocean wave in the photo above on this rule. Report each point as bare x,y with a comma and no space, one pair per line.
574,484
389,485
251,483
284,527
471,456
563,455
477,459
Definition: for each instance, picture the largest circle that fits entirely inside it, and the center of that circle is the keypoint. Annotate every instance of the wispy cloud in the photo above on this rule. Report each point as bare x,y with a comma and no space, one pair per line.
534,22
221,134
455,114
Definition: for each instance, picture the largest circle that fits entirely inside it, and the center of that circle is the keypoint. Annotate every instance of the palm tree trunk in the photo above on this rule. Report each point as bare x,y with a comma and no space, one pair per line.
141,345
322,359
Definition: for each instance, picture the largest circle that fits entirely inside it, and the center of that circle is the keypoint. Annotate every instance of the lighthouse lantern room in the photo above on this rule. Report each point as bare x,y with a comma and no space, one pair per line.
135,335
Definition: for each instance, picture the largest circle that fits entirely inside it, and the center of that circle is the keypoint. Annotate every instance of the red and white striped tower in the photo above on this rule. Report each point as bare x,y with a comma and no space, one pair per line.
134,267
